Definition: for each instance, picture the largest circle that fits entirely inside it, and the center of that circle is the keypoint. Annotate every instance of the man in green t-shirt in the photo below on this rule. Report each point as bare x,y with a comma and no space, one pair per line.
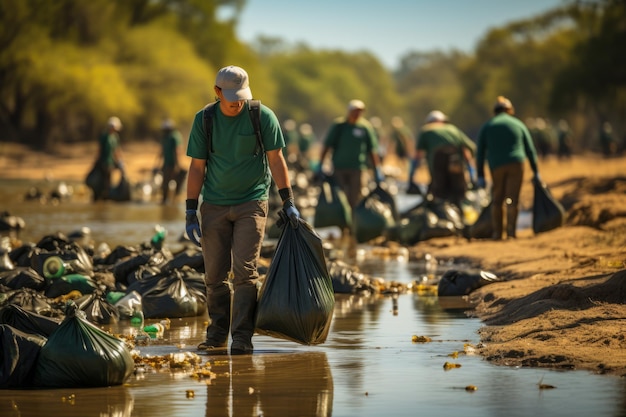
354,147
234,179
109,157
449,153
506,143
171,143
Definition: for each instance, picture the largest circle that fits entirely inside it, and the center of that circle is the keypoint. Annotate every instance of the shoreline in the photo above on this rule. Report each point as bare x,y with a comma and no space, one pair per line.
562,303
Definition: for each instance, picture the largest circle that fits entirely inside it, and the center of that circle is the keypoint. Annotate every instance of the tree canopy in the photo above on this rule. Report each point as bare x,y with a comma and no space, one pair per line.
67,65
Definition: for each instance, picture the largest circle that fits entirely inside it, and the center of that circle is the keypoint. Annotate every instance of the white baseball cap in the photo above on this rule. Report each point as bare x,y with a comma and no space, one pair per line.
234,83
436,116
356,105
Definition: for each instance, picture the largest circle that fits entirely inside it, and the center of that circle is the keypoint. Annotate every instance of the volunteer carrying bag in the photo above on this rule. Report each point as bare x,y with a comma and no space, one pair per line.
296,300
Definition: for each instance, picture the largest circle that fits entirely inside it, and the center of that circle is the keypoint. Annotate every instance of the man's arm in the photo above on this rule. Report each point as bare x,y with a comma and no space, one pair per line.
195,178
278,166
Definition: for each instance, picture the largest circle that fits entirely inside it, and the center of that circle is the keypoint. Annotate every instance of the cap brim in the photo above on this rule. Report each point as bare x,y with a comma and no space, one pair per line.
236,95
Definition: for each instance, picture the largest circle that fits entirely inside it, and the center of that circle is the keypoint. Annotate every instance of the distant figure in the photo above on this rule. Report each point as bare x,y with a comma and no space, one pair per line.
564,140
543,138
607,140
403,143
506,143
290,132
109,157
306,139
171,149
449,153
354,147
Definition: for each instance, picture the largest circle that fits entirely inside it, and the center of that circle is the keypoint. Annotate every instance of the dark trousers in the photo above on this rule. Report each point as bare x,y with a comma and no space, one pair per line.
507,184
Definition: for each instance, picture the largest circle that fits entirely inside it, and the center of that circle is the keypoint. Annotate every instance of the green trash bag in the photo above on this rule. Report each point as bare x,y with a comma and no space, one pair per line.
296,300
333,208
79,354
371,217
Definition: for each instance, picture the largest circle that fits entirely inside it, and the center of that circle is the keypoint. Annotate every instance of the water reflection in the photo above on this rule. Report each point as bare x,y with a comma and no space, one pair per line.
368,366
272,384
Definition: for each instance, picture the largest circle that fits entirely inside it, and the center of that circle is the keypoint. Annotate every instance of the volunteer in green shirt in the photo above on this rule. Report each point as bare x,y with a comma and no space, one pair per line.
449,153
109,157
354,147
505,142
171,142
234,179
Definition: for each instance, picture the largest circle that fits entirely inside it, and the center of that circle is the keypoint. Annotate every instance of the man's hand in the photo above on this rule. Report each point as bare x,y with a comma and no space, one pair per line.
289,208
192,225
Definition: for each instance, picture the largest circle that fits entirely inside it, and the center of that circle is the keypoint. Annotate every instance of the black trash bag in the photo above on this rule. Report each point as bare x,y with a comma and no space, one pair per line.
482,228
6,264
371,217
18,356
387,198
178,293
27,321
69,259
95,178
22,277
347,279
189,257
296,300
68,283
79,354
457,283
22,254
333,208
122,190
97,308
426,221
548,213
34,301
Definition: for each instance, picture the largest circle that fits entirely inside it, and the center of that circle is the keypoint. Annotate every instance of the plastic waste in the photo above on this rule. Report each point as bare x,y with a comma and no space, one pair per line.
158,237
54,267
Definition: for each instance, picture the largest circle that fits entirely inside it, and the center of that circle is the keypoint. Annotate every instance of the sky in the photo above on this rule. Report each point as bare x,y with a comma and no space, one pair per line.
386,28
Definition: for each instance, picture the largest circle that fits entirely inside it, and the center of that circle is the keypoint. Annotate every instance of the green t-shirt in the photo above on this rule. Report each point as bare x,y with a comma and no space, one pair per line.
171,140
502,140
433,136
109,141
351,143
234,175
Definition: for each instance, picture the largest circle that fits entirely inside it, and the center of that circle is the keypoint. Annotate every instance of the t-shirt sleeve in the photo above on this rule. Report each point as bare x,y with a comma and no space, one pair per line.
197,146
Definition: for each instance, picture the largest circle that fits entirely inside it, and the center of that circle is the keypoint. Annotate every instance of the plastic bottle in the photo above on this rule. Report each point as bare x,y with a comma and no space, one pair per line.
54,267
154,330
158,237
136,320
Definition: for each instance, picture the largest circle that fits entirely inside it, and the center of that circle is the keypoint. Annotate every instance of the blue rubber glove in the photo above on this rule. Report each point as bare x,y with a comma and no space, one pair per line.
480,182
192,225
289,208
291,212
472,172
379,175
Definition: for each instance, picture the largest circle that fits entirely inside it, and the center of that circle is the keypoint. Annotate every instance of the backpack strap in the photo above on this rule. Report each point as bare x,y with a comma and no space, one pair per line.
254,110
208,113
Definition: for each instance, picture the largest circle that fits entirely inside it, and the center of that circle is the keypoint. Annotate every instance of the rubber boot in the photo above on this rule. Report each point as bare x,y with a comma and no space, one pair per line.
219,306
244,311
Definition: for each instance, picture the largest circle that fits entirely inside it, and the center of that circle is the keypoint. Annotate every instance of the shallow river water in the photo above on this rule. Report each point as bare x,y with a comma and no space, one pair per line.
369,365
